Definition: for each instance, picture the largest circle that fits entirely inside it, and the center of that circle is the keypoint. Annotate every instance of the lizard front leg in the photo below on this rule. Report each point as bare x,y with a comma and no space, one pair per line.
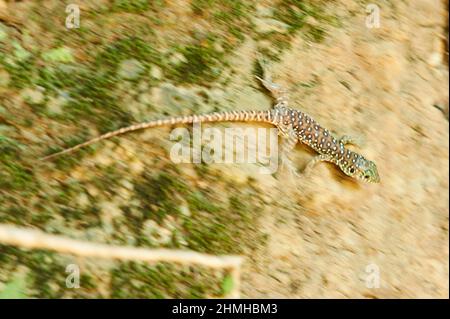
347,139
317,159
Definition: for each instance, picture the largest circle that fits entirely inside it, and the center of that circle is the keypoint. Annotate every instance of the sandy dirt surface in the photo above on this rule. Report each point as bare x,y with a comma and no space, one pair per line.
324,236
338,234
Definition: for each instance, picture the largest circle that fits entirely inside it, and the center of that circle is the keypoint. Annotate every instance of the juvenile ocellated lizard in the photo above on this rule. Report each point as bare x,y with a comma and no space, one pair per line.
294,126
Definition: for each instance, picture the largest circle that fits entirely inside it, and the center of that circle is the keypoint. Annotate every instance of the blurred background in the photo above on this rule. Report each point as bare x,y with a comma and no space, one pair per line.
377,70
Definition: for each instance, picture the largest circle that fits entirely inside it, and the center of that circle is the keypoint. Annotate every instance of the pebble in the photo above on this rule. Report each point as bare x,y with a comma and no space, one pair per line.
3,34
55,105
4,78
63,55
177,58
266,25
130,69
33,96
156,72
435,59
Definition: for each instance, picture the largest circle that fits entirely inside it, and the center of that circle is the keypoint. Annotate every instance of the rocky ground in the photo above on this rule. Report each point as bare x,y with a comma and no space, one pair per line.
321,236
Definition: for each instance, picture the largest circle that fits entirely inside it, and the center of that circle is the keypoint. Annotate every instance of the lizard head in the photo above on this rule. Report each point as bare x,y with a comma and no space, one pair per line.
362,169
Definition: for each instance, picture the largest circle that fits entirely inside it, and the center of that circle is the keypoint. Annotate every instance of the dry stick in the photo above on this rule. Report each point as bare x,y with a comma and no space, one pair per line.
34,239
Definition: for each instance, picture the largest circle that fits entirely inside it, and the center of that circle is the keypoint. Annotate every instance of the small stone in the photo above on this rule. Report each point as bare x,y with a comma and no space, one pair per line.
136,108
6,129
103,158
311,21
179,100
145,98
19,52
143,86
4,78
124,193
264,11
149,226
136,167
93,191
216,94
156,72
55,105
110,210
177,58
127,184
130,69
3,34
218,47
267,25
184,210
435,59
83,200
156,233
63,55
33,96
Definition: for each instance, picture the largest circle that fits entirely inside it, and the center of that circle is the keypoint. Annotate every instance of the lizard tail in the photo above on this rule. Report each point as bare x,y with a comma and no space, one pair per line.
230,116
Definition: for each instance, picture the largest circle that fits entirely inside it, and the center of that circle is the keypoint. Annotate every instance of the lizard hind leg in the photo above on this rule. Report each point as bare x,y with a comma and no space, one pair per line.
284,152
287,145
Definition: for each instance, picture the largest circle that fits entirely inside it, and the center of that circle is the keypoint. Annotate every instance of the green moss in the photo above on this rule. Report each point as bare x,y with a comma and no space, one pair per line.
226,9
227,285
295,13
138,280
58,77
133,6
203,64
213,226
72,214
9,148
15,288
126,48
158,195
89,82
13,213
69,161
230,19
218,229
62,55
198,202
199,7
316,34
46,275
231,11
91,217
14,175
21,72
137,6
107,179
91,88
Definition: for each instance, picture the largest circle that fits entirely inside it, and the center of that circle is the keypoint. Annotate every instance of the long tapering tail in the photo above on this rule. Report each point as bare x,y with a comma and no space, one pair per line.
230,116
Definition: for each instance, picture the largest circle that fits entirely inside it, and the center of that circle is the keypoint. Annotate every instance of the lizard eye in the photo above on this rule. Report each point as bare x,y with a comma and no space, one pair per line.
352,170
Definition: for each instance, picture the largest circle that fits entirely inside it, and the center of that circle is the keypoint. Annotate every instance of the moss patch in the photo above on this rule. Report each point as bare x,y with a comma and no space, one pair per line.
137,280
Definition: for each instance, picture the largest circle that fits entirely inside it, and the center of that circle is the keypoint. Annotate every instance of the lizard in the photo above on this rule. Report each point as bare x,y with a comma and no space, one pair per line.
293,126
